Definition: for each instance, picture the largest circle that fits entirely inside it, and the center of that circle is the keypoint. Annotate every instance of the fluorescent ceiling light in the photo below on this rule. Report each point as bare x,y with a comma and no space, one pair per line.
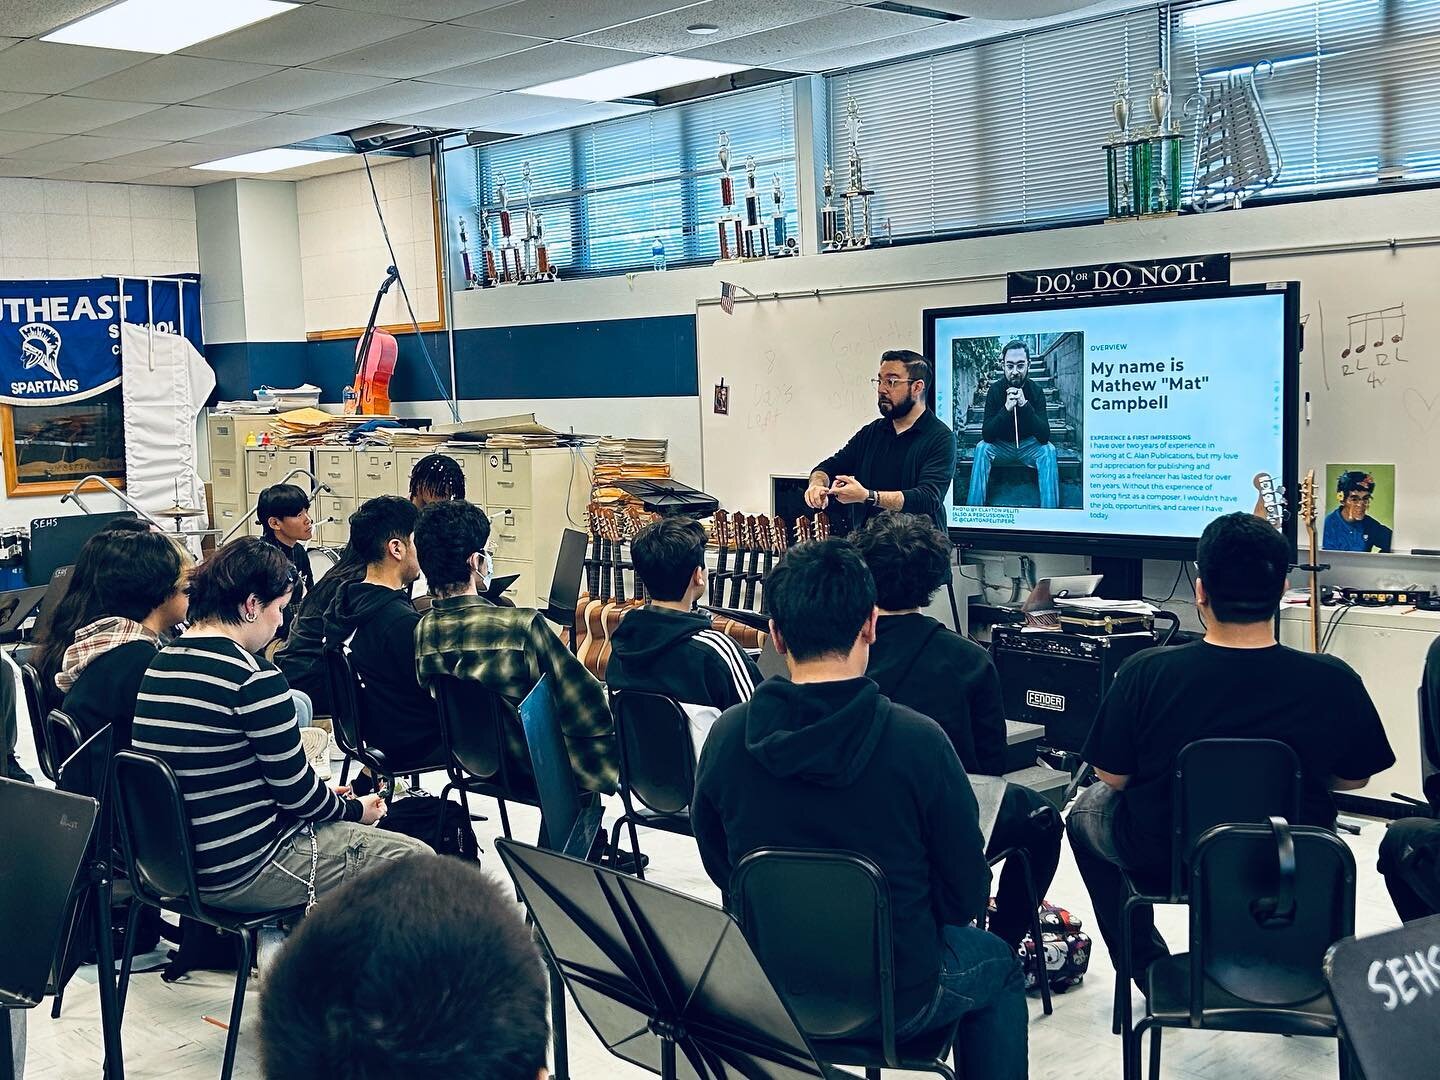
164,26
633,79
1235,10
268,161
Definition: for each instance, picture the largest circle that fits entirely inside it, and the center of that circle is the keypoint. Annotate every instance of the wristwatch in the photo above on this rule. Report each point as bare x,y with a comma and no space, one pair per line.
873,499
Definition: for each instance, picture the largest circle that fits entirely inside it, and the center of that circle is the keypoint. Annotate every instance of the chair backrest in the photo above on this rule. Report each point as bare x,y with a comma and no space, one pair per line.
1229,782
657,750
1266,902
85,770
819,921
64,737
1429,744
34,705
156,830
472,720
569,569
47,834
344,700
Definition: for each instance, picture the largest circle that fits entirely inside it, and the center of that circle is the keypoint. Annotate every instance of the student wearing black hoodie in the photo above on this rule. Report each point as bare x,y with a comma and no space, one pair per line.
375,621
822,760
919,662
668,648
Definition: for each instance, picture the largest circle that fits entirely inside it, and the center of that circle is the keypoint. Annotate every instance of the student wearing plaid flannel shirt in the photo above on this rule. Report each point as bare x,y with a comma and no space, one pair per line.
506,649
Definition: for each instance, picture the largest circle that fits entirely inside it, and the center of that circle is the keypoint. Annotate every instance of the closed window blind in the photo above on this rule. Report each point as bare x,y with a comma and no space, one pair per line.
606,191
1003,133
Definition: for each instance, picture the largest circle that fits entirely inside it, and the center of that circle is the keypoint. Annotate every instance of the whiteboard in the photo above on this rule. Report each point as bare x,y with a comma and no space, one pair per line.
798,369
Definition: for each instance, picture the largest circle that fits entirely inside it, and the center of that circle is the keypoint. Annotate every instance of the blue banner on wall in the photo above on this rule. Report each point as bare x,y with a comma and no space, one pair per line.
60,338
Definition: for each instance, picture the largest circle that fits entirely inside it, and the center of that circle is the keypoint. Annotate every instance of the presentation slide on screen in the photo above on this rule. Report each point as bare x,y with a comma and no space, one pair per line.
1129,420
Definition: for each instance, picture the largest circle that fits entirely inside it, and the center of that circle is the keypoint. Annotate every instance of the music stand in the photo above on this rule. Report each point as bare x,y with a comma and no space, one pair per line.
56,541
666,982
1391,1038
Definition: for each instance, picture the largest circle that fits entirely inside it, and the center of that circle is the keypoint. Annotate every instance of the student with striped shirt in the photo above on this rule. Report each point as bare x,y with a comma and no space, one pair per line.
267,833
669,648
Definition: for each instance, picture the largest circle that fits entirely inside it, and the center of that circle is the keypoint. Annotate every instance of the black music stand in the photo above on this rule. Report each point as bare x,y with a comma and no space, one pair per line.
1391,1037
666,981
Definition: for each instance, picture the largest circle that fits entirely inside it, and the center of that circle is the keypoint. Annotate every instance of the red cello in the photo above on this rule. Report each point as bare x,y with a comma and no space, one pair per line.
375,356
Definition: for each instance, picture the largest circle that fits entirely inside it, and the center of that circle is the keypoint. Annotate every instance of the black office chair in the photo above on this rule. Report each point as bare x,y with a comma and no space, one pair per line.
35,706
1217,782
475,725
161,857
349,712
819,922
657,767
1266,903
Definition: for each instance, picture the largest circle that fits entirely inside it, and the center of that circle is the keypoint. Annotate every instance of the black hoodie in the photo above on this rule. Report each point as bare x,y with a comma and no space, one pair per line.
838,766
401,717
679,655
922,663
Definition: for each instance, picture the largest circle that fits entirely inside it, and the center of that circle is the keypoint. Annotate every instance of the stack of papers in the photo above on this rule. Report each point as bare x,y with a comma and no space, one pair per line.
246,408
1094,605
613,451
302,426
406,438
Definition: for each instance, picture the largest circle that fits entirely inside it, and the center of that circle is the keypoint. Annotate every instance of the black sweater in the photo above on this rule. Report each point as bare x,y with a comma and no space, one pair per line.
1034,420
679,655
923,664
105,692
920,464
838,766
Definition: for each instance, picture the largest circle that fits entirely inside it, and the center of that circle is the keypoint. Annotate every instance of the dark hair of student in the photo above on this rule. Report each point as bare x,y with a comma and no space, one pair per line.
142,572
280,501
820,595
446,535
907,557
1243,562
244,566
916,366
666,555
80,606
1012,345
466,995
377,522
438,477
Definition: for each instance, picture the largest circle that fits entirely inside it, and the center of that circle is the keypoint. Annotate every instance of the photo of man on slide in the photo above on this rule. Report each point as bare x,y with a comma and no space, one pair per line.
1349,527
1021,419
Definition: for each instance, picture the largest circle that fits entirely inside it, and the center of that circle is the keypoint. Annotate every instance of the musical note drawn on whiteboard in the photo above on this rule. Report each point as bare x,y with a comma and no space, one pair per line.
1383,324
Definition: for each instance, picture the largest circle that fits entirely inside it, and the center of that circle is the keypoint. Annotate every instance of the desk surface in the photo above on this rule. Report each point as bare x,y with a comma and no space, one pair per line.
1391,618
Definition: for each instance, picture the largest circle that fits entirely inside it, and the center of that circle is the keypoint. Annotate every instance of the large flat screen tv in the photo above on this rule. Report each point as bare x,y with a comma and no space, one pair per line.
1116,427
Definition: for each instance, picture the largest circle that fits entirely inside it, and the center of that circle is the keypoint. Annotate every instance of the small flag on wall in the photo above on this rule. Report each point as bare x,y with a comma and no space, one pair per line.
727,297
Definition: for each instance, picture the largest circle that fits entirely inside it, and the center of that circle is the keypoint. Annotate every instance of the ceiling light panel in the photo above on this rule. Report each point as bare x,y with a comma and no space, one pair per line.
163,26
634,79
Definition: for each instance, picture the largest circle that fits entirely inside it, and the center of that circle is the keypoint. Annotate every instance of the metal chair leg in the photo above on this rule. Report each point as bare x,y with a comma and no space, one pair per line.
634,845
558,1033
132,920
237,1005
1130,1048
345,771
872,1074
105,975
1035,930
1155,1033
504,819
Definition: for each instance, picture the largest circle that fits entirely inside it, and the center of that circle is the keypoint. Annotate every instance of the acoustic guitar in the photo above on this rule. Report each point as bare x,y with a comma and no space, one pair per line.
742,548
760,541
592,577
720,535
1307,515
594,641
614,611
778,535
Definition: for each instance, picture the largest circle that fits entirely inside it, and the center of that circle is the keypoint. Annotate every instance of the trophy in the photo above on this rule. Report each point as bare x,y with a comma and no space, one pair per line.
535,254
1142,168
1164,164
756,238
857,220
730,227
487,253
469,270
510,267
829,216
1117,157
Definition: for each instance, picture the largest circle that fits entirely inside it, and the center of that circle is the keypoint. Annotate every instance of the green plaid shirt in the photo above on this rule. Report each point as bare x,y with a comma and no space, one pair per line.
509,650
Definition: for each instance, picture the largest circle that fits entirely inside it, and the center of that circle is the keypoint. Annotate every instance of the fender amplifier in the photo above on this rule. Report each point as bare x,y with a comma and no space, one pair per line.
1057,680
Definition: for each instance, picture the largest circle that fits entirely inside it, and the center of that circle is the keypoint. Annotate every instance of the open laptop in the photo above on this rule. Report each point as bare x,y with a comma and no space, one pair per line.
570,827
1048,590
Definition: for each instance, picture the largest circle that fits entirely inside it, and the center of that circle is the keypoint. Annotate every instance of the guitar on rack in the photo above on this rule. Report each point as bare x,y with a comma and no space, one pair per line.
804,530
822,525
591,591
759,540
720,534
589,651
1313,568
743,527
779,543
614,611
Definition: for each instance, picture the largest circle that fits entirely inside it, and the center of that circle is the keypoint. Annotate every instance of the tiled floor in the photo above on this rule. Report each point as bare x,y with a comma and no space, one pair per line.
166,1035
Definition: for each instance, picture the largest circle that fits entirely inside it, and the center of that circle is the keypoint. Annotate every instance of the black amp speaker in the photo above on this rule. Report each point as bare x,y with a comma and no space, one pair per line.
1057,679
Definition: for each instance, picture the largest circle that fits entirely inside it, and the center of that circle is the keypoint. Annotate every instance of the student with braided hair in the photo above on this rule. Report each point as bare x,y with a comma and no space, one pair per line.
436,478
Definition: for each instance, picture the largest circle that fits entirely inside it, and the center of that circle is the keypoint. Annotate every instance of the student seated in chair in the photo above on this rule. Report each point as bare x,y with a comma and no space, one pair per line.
921,663
142,598
283,513
823,760
374,621
669,648
1237,683
1410,849
507,650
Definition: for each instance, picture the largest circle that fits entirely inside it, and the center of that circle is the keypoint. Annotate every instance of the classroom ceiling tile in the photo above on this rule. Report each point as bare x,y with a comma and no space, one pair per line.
432,49
388,101
180,178
30,18
493,112
11,167
566,18
307,33
175,122
43,67
850,26
10,100
573,114
83,148
177,155
930,39
735,18
281,130
168,80
433,10
293,88
12,141
64,115
547,63
1010,10
103,172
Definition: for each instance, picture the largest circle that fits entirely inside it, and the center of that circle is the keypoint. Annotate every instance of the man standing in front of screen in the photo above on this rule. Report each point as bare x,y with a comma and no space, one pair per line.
903,461
1016,430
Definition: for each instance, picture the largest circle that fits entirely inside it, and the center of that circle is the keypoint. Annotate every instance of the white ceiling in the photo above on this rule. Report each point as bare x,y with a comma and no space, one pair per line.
330,66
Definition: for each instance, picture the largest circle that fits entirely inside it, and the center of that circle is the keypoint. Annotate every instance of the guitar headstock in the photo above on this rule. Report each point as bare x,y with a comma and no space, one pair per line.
822,525
804,530
608,525
744,532
720,528
1307,501
762,536
1270,500
779,536
592,518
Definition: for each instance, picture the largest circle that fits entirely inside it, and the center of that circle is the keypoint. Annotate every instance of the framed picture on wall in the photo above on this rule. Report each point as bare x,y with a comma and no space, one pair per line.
47,448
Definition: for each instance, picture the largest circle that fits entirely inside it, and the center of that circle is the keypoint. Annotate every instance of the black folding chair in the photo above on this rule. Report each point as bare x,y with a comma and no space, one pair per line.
161,857
1266,903
35,706
657,767
64,736
819,922
1216,782
473,725
1033,899
349,716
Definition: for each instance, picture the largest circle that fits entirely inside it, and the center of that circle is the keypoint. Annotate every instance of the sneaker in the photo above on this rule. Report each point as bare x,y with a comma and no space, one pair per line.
334,752
316,745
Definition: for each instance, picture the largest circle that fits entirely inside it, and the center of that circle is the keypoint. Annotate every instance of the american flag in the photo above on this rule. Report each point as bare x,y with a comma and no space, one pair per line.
727,297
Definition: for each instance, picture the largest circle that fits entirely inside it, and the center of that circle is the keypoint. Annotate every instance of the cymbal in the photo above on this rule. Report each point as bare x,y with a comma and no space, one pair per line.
177,511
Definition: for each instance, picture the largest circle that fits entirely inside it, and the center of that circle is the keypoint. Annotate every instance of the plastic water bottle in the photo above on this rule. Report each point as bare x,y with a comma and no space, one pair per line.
657,254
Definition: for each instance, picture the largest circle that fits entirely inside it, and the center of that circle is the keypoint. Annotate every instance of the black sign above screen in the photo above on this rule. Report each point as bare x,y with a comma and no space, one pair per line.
1153,277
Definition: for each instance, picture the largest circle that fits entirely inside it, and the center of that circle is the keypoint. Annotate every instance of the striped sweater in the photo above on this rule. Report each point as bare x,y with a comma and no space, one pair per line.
224,721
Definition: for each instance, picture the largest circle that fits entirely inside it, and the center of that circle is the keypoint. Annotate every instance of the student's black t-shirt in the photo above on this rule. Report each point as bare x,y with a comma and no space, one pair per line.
1164,699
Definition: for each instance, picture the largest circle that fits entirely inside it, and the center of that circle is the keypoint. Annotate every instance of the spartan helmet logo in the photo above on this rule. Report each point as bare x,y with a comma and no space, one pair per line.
40,346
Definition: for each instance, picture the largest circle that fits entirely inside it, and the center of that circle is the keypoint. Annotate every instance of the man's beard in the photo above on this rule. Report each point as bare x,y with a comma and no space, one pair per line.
896,411
1016,380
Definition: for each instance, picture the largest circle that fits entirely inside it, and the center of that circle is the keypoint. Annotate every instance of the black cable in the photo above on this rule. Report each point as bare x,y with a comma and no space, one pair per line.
450,396
1174,585
1335,620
